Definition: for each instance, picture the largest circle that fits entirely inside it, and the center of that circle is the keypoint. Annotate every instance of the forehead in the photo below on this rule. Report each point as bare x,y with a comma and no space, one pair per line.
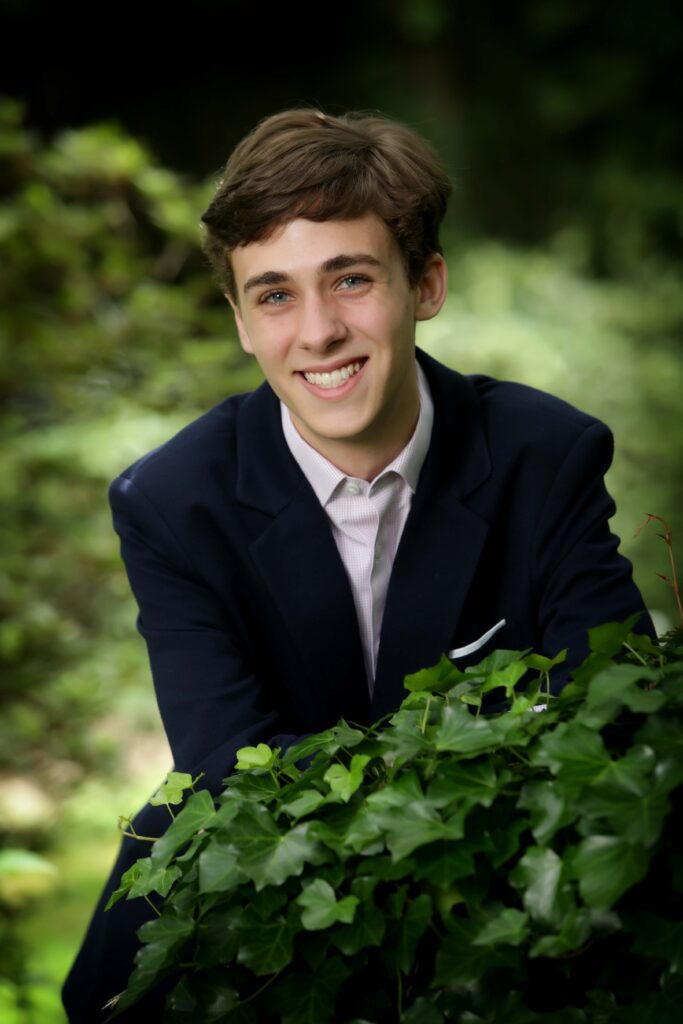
301,247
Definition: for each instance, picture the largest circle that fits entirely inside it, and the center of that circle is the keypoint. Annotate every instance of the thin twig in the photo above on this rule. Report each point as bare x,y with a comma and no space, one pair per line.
666,537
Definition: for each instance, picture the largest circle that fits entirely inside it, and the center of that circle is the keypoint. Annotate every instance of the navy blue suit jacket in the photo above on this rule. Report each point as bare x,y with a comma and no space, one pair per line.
248,614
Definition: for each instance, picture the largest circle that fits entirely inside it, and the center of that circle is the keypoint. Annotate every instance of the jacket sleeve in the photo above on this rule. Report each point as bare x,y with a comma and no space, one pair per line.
581,580
210,699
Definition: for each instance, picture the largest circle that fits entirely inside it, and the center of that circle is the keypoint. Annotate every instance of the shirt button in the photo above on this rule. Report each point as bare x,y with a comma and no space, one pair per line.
352,488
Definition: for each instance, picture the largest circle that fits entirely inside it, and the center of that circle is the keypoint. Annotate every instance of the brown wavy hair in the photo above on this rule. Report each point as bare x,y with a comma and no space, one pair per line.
304,163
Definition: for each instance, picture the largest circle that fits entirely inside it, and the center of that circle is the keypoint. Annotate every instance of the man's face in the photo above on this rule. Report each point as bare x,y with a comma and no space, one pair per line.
328,312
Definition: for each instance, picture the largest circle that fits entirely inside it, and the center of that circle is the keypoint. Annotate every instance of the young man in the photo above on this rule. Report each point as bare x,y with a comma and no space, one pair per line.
298,550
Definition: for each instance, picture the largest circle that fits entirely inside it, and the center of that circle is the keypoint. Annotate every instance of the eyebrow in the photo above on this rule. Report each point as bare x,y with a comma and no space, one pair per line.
336,263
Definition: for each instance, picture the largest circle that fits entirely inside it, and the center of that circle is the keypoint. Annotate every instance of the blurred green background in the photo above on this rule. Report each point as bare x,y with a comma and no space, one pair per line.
560,125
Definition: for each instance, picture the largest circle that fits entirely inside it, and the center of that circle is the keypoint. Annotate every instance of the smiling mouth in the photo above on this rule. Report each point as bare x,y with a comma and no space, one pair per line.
334,378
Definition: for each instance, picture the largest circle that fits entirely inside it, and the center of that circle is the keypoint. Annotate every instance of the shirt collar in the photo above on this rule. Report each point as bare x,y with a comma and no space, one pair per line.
324,477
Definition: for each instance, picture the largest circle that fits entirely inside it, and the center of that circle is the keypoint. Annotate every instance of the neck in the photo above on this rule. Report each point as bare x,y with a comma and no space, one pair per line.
362,463
365,458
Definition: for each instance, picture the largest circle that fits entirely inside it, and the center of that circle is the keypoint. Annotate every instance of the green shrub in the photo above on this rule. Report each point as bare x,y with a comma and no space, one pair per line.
443,865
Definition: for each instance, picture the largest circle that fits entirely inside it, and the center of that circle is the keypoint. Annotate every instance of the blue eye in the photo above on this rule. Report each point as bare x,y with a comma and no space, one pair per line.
354,279
274,298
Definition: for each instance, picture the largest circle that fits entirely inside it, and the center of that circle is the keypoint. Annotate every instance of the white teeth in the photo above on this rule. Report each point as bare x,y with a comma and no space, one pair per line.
335,378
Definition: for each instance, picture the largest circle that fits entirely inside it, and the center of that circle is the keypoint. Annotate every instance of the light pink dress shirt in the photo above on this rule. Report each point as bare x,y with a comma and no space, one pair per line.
367,518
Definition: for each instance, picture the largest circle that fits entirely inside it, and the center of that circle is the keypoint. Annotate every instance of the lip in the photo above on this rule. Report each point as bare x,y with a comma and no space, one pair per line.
344,388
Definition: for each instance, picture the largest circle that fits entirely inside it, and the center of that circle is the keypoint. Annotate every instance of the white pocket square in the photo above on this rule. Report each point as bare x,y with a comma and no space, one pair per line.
460,652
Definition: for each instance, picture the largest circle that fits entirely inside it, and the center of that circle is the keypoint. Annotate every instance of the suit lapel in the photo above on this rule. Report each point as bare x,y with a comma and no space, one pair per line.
441,544
436,561
298,560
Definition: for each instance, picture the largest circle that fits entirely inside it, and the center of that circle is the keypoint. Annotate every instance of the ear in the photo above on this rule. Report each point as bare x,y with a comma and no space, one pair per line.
241,329
431,290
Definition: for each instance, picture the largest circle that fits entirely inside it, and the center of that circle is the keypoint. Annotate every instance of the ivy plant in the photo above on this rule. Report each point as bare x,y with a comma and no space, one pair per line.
441,865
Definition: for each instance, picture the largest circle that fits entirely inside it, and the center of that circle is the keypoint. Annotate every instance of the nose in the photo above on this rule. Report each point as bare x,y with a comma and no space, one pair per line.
320,325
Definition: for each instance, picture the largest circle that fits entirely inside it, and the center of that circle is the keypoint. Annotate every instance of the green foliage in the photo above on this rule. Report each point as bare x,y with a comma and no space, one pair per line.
112,336
442,865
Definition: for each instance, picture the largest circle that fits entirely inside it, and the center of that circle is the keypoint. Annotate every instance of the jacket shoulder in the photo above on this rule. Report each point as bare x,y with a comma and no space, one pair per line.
506,397
529,416
190,454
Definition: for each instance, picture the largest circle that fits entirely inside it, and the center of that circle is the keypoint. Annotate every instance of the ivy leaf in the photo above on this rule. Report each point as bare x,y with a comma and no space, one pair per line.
504,833
458,960
657,938
305,803
401,952
164,937
443,862
216,938
250,786
359,834
321,907
574,753
207,998
548,809
627,799
609,638
328,742
664,734
321,742
405,786
463,733
437,679
153,878
509,928
606,866
574,930
144,877
366,929
473,782
265,947
504,677
387,870
219,869
345,781
260,756
128,878
494,662
404,740
266,855
416,824
172,790
308,998
617,687
344,735
542,664
198,813
537,875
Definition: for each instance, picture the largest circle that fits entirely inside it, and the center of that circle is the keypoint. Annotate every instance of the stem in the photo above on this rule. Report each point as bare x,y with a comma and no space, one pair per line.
666,537
426,715
170,811
133,834
148,900
520,757
674,577
260,990
274,778
635,654
399,994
